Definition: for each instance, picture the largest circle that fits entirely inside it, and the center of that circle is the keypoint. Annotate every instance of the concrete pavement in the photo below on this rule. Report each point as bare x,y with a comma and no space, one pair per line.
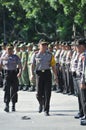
62,111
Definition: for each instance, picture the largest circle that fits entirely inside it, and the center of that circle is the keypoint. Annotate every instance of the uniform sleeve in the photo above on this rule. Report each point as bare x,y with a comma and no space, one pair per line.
53,62
83,76
0,61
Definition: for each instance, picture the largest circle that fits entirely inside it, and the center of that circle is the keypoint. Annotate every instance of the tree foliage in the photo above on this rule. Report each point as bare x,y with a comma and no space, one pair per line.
31,20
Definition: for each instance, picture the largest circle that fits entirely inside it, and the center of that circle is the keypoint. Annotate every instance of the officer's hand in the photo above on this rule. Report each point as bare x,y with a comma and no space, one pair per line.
19,75
83,86
23,68
32,77
56,80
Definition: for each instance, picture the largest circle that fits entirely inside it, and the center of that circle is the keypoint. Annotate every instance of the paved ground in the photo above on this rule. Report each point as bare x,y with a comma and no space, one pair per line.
62,111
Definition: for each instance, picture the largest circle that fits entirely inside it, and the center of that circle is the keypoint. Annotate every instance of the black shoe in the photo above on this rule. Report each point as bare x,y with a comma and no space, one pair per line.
25,88
64,92
46,113
40,108
69,93
54,88
83,122
79,115
20,87
58,90
13,109
6,109
32,89
83,118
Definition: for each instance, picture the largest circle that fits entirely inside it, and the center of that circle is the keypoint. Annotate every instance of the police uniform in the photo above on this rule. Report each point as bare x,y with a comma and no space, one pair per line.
57,57
81,81
82,72
42,63
62,63
9,63
73,68
70,88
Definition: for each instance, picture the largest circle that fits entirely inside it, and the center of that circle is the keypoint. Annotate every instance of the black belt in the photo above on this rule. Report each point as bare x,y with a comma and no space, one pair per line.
43,70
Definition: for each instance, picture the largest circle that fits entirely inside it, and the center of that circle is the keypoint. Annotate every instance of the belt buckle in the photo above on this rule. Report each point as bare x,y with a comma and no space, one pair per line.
43,70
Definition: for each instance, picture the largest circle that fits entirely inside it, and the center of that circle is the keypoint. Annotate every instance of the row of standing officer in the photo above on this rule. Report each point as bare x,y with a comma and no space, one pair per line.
63,56
71,69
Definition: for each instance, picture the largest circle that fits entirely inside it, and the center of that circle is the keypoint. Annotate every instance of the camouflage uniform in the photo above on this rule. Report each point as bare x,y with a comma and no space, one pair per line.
24,76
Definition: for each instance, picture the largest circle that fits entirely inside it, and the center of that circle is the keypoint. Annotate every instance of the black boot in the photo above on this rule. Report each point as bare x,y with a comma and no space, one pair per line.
7,107
32,88
13,107
47,113
40,108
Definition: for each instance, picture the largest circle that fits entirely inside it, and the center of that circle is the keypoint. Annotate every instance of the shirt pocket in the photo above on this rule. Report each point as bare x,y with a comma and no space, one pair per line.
38,60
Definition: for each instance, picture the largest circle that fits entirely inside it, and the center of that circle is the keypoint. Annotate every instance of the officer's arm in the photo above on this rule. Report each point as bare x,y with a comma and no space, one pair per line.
19,67
54,71
0,64
20,70
32,69
83,71
53,65
32,66
0,67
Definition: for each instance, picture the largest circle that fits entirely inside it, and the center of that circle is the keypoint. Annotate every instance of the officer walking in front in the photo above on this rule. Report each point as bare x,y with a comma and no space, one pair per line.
9,64
42,61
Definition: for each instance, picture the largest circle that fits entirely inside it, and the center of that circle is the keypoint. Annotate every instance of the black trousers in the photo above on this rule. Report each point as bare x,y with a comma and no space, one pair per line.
75,79
10,85
64,76
83,97
79,94
60,80
44,84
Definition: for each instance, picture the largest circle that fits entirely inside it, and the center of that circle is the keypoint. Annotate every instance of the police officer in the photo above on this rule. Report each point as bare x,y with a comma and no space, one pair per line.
70,88
77,75
63,66
9,64
30,53
51,49
73,65
57,56
24,76
42,61
82,72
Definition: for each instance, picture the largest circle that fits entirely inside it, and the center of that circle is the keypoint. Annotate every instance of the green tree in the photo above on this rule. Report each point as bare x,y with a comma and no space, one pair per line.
31,20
